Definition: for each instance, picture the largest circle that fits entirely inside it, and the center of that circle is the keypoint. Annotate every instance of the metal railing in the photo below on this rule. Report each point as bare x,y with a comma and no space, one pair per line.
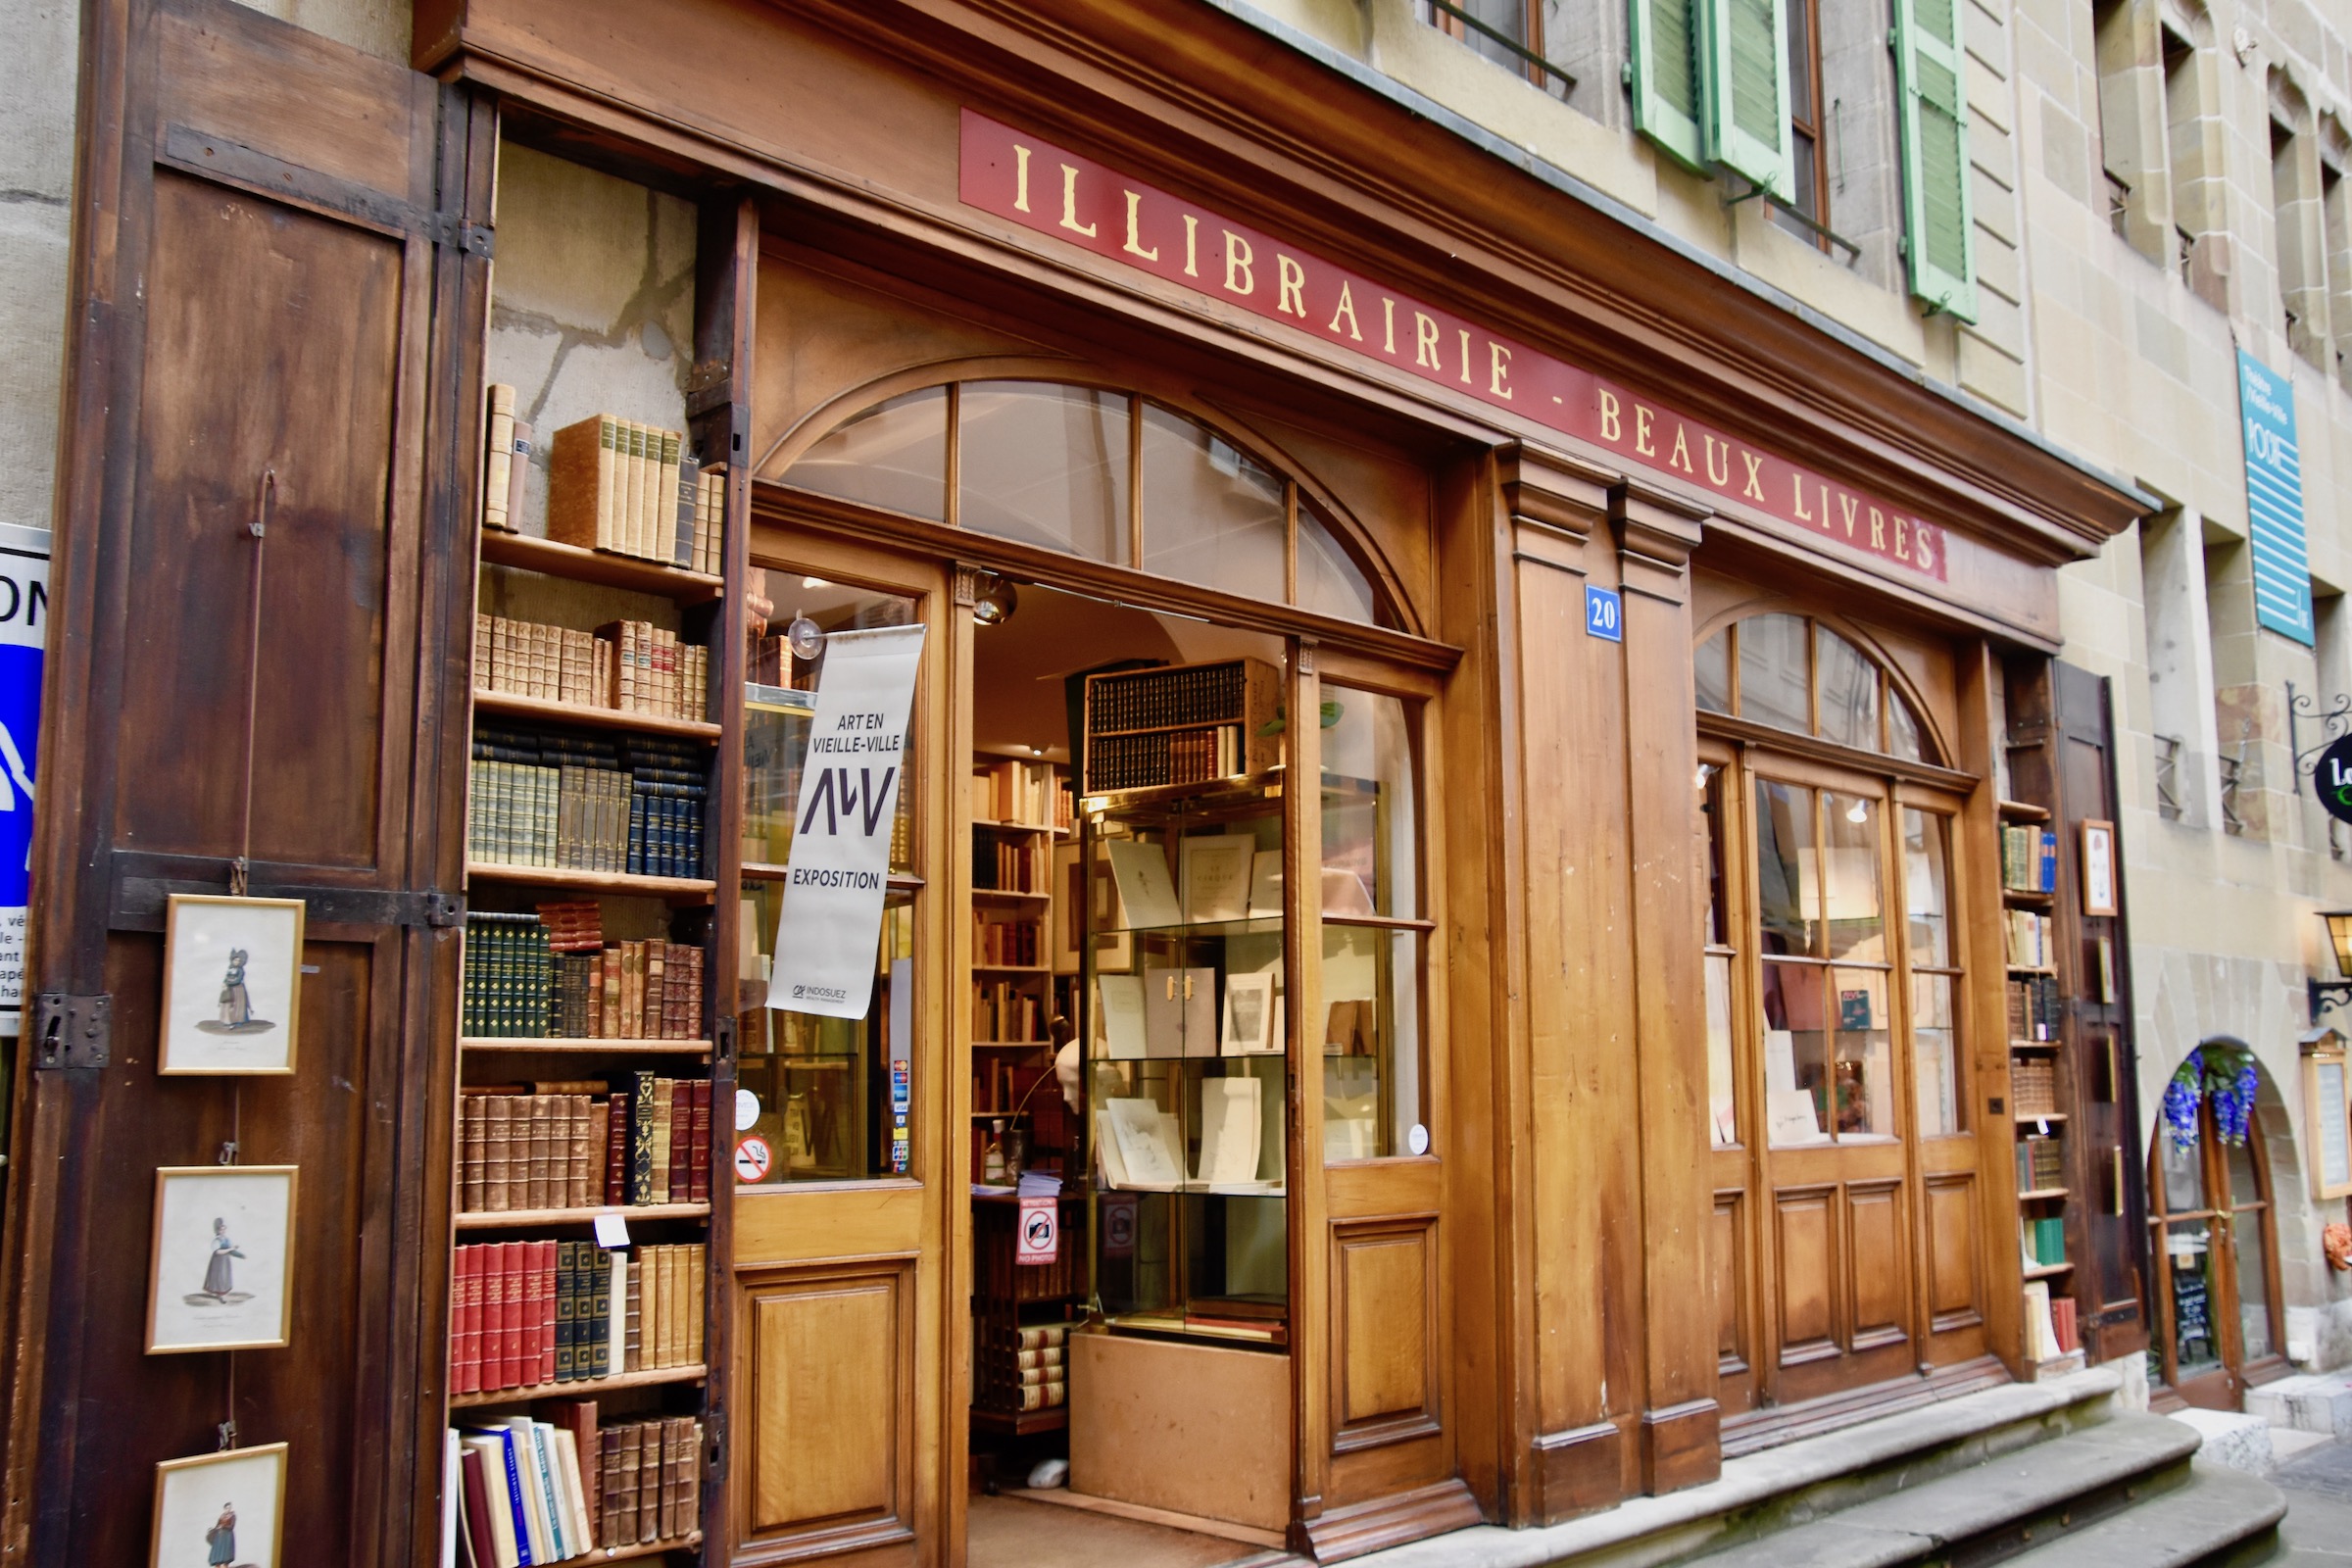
1510,44
2168,777
2234,769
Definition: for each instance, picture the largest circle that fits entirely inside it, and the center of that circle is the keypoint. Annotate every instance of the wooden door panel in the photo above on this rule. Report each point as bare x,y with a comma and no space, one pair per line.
310,401
1384,1311
1805,1229
1877,1248
1733,1281
1955,1270
826,1363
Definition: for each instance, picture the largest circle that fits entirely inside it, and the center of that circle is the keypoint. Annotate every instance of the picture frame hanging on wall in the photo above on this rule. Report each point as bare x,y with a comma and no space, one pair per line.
2098,868
220,1264
232,985
215,1508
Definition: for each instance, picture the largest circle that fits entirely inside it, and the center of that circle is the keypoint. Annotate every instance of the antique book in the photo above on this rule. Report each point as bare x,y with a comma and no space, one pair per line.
658,1173
495,1111
489,1504
567,1300
513,1266
609,1492
698,1181
681,1139
635,1361
641,1140
614,1313
594,1152
499,455
534,1156
581,464
630,1492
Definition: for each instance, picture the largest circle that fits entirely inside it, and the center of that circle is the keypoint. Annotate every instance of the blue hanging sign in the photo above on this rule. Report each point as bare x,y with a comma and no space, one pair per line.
23,624
2274,500
1604,613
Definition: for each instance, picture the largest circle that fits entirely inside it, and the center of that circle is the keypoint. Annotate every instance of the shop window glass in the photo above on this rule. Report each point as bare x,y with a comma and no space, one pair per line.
1904,737
893,456
2253,1286
1785,878
1934,1055
1330,583
2189,1248
1849,692
1935,977
1775,672
1722,1079
1044,464
2184,1172
1372,974
1212,516
1797,1074
1854,921
1861,1100
820,1086
1712,667
1926,888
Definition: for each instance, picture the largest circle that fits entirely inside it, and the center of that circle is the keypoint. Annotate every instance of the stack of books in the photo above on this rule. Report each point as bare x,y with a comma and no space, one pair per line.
2028,860
2029,940
1004,943
2041,1165
525,980
506,463
2043,1239
546,1491
2033,1008
653,672
2034,1087
1004,1015
527,1314
616,486
586,802
572,1144
1023,1367
1029,794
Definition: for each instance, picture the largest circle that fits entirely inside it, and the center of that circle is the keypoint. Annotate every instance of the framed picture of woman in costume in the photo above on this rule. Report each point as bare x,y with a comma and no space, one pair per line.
232,985
222,1264
221,1510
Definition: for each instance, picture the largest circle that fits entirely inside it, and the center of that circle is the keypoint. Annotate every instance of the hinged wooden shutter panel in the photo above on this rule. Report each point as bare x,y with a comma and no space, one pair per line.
1747,112
1665,72
1940,239
275,295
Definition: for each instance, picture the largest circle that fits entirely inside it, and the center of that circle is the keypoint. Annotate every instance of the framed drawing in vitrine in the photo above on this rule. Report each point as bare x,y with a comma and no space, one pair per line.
2098,868
220,1268
232,985
215,1508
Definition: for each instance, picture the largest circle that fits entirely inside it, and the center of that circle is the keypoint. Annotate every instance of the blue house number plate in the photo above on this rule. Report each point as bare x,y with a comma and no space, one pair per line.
1604,613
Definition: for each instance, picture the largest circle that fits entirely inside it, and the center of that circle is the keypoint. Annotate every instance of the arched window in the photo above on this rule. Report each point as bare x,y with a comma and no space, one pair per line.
1795,673
1103,474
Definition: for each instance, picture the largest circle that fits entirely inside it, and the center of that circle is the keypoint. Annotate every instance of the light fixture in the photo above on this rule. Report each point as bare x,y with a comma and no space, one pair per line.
994,600
815,582
803,636
2336,993
1858,813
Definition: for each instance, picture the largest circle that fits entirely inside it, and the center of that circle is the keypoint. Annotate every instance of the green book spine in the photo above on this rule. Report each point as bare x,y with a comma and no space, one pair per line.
600,1314
641,1138
566,1314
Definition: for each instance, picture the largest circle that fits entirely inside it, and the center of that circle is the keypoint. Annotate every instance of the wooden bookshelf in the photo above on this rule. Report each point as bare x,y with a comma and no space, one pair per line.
620,884
531,553
640,1551
588,1047
695,1373
503,1219
2044,1271
506,705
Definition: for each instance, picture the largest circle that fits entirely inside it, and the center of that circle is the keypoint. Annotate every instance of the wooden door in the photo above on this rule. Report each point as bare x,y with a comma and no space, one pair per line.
263,610
848,1278
2216,1254
1734,1118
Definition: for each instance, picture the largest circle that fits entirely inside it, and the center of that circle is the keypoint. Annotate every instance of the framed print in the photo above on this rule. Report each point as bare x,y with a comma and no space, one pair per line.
220,1267
1249,1014
218,1509
2326,1114
2098,868
233,984
1069,909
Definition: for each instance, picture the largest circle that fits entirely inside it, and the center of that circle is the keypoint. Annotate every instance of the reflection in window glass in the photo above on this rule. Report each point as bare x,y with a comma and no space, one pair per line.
2197,1349
1330,583
1861,1100
2184,1171
1798,1076
1904,738
1712,667
1211,514
893,456
1044,464
1722,1087
1849,692
1784,891
1775,674
1856,926
1371,1041
1369,832
2253,1288
1925,896
1934,1055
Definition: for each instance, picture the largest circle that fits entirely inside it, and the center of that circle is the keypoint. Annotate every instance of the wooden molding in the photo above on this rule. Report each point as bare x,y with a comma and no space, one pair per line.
1416,1515
1680,1446
1579,1470
1657,526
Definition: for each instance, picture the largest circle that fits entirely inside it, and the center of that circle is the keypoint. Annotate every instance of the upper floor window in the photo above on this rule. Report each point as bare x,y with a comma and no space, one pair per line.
1794,673
1509,32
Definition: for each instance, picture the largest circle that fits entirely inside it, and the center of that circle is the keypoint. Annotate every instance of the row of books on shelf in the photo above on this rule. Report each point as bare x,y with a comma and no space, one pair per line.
632,667
2033,1087
532,1315
2028,860
2034,1007
578,1143
586,804
1029,794
1023,1367
1166,756
2032,939
1006,944
1008,865
518,984
1153,699
2043,1240
1004,1014
617,485
507,448
547,1492
2052,1329
2041,1163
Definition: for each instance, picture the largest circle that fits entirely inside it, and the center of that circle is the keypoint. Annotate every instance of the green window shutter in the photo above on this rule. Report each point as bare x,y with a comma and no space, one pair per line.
1746,114
1939,238
1665,68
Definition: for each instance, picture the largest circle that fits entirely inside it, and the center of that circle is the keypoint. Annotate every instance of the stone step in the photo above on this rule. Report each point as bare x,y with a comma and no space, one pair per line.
2312,1402
2221,1516
1989,1511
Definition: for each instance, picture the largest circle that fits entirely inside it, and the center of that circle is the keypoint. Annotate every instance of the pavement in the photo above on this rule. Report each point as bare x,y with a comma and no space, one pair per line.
2317,1532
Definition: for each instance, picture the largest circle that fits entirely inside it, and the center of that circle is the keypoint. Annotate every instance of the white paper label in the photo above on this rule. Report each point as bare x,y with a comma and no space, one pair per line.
611,1231
840,865
1417,1138
746,1111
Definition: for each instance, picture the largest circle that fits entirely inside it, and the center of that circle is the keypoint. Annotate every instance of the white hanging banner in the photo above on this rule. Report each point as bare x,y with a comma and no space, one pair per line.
831,922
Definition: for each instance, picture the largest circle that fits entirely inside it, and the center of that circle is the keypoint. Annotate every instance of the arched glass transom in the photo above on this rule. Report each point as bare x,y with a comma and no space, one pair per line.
1795,673
1101,474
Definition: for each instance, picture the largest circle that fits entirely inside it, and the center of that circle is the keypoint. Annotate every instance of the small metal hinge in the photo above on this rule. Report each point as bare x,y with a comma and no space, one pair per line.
451,229
722,1039
444,909
71,1031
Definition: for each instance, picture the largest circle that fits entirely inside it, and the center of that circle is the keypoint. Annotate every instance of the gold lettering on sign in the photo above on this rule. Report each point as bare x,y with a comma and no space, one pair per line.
1719,480
1425,341
1612,427
1846,506
1824,509
1465,331
1192,246
1498,366
1797,486
1238,259
1642,419
1134,241
1755,476
1290,286
1388,312
1903,537
1682,451
1927,549
1020,178
1877,529
1069,203
1347,309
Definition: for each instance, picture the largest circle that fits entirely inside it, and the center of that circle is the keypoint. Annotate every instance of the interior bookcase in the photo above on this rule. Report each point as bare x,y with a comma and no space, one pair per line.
686,896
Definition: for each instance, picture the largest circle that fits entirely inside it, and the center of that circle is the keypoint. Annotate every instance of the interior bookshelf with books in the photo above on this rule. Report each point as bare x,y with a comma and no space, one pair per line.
595,1064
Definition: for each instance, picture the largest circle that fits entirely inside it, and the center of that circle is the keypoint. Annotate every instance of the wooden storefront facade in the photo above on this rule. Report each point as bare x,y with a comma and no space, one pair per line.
1638,878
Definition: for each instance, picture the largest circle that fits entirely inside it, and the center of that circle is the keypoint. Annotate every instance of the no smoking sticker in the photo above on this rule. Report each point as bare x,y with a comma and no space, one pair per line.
752,1159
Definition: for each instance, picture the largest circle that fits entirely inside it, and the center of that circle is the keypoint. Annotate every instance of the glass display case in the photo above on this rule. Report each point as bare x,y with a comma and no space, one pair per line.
1188,1071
